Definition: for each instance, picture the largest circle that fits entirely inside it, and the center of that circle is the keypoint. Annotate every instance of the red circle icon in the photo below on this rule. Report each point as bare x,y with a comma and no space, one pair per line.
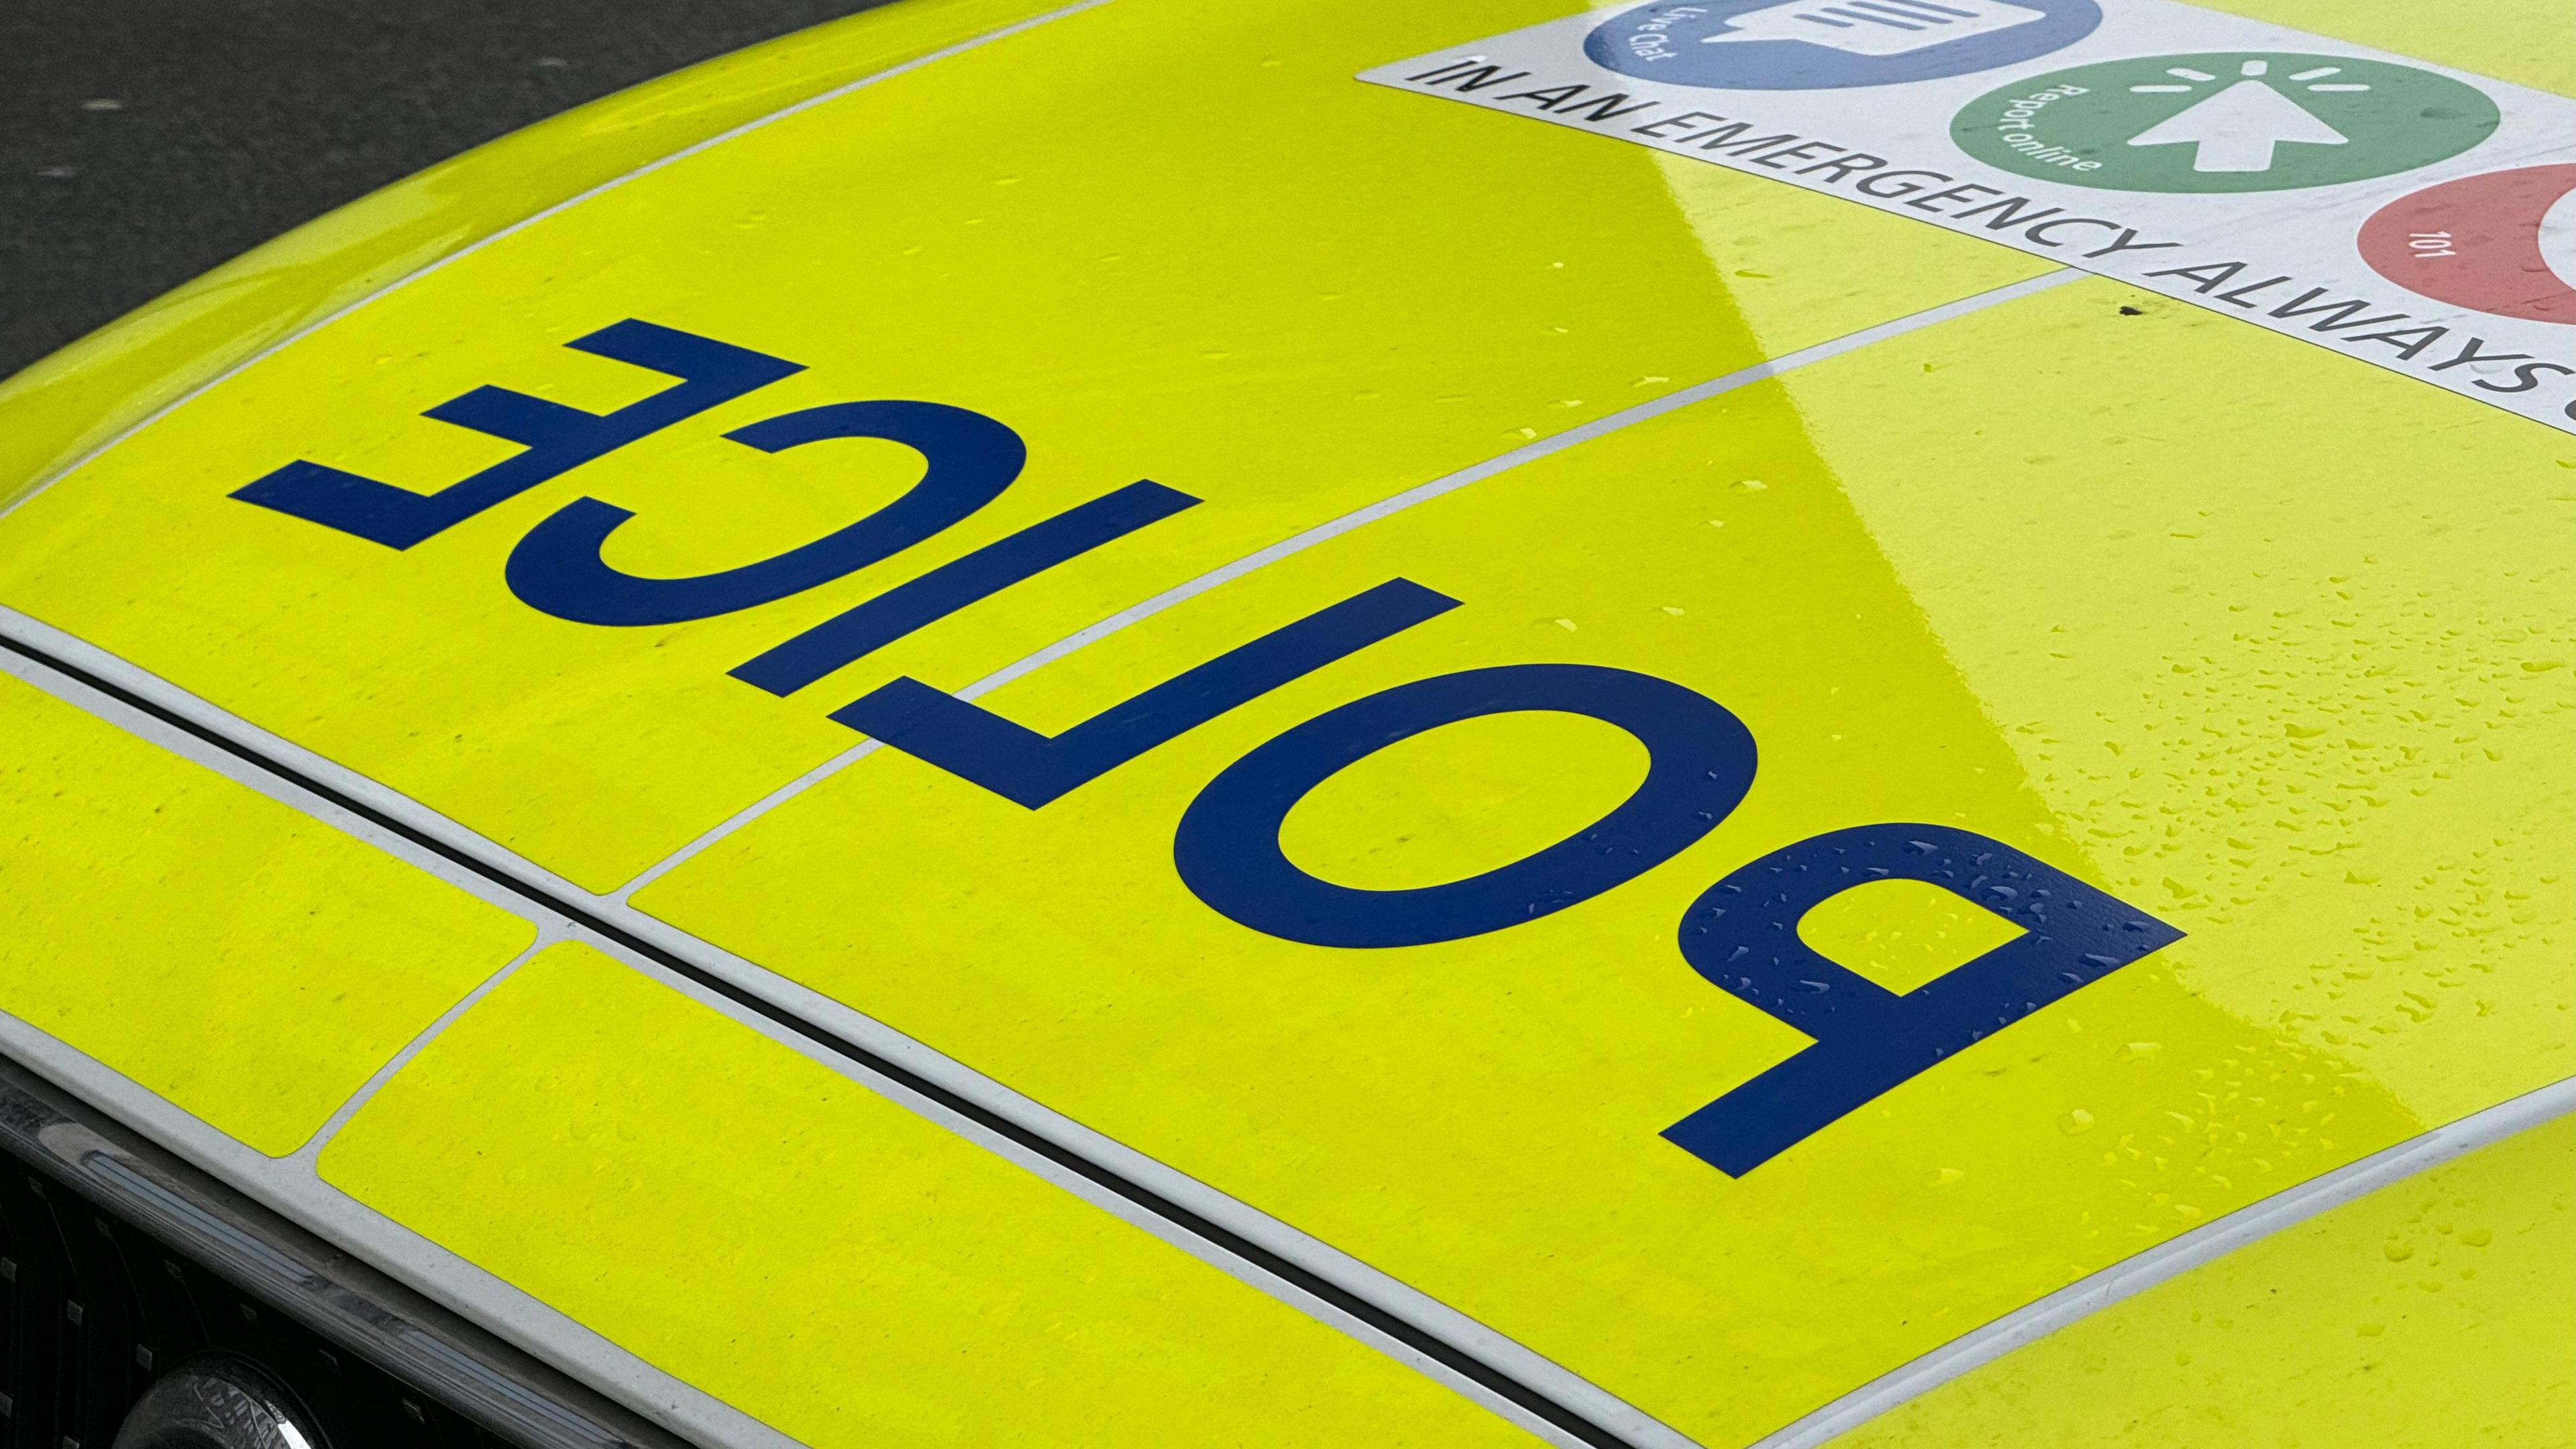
2484,242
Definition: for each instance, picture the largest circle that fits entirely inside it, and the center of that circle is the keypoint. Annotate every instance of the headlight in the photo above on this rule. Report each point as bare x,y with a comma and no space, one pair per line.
219,1401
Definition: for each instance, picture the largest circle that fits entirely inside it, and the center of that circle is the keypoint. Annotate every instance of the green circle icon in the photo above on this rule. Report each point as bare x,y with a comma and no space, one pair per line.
2224,121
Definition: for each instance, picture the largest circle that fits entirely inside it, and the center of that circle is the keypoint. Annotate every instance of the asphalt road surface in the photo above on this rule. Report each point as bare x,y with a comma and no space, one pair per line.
143,142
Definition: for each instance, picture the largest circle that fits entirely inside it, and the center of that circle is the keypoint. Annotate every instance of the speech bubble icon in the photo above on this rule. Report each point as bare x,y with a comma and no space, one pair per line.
1876,27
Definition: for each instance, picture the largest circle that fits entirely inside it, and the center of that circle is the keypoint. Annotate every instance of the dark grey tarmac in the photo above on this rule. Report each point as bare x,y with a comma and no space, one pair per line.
143,142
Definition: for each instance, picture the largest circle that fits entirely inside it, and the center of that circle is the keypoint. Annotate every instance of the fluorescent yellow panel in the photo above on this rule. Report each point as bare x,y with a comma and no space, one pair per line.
2283,638
2436,1313
1804,267
1481,1118
2524,41
1408,816
1099,231
247,962
2266,642
1902,933
827,1261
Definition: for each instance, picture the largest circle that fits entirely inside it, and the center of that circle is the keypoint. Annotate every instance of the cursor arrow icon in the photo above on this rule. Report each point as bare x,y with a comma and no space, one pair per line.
2237,128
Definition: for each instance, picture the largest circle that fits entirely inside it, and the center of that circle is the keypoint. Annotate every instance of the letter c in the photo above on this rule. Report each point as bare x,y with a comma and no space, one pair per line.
558,568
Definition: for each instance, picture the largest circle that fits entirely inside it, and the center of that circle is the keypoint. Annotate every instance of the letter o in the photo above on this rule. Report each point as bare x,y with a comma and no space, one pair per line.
1227,846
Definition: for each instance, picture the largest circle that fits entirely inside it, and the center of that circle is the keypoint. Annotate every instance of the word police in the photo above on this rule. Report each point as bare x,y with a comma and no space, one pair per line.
1741,933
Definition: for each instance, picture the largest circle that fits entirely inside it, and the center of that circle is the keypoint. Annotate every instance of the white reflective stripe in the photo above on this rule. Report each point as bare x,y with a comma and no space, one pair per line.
294,1193
290,1187
1415,1308
302,1196
1420,1311
310,1154
2171,1259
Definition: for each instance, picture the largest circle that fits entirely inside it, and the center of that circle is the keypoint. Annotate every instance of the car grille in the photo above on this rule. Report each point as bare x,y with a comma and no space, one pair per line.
92,1308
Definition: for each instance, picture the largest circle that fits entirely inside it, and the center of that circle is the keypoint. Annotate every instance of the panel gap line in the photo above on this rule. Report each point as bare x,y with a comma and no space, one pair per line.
1578,1411
309,1155
592,913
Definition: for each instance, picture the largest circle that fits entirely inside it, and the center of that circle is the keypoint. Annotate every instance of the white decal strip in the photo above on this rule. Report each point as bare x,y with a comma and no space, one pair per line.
2385,208
289,1185
310,1154
475,861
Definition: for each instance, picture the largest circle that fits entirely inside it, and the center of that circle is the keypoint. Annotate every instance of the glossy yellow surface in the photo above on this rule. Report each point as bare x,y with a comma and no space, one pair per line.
827,1260
250,964
2264,641
1884,611
1285,331
2305,696
2437,1313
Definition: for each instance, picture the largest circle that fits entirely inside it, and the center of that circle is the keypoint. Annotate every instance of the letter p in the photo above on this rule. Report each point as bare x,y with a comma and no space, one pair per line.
1742,934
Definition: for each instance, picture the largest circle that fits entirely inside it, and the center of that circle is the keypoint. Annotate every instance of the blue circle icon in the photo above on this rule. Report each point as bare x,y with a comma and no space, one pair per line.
1810,45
